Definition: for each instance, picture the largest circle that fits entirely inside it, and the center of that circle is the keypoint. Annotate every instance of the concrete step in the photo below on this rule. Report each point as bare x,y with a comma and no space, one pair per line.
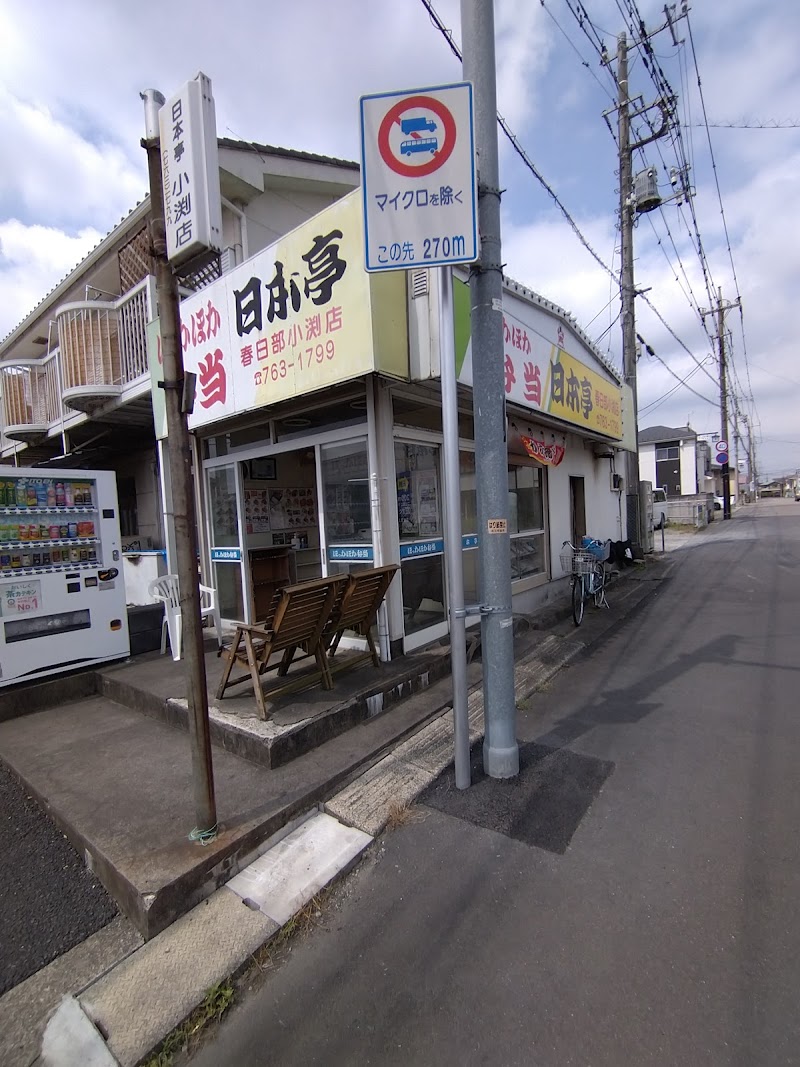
285,878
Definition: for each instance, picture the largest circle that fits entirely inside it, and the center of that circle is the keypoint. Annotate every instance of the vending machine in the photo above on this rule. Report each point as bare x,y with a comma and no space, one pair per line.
62,592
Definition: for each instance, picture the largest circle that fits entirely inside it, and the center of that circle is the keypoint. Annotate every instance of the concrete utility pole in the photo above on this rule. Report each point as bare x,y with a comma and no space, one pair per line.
179,452
723,407
627,291
500,748
720,310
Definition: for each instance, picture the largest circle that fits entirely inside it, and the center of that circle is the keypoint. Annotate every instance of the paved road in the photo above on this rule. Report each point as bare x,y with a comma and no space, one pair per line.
655,921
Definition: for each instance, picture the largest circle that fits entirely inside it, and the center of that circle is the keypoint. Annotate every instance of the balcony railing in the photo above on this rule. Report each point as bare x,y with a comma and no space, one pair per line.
103,347
25,409
102,351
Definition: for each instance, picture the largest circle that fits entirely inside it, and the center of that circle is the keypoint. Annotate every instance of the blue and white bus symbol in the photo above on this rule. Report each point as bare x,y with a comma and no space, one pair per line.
421,144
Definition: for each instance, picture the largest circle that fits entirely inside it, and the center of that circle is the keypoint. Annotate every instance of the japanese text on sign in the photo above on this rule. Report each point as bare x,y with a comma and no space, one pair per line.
290,320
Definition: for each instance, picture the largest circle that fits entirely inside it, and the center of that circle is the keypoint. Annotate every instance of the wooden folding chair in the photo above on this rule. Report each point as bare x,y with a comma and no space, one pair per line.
358,612
299,619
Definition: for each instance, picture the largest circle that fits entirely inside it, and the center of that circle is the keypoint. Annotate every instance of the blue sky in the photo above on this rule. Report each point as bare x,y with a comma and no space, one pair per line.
291,75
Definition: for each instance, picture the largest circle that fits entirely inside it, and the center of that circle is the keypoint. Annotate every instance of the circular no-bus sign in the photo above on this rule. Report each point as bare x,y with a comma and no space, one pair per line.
417,136
418,178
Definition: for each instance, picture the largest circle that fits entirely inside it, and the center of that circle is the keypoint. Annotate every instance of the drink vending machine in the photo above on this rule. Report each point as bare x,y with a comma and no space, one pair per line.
62,593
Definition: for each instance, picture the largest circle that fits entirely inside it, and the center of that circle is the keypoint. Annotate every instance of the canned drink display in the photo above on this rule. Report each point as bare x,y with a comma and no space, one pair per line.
55,532
5,560
72,529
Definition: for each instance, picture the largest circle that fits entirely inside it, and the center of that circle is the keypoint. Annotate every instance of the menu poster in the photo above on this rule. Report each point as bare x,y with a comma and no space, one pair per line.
256,510
405,504
428,503
292,509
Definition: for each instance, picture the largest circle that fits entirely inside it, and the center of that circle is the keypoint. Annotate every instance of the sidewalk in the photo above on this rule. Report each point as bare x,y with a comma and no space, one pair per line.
119,783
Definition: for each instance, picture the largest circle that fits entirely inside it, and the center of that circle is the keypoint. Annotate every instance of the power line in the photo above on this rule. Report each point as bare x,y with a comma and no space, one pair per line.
768,124
721,206
576,50
584,20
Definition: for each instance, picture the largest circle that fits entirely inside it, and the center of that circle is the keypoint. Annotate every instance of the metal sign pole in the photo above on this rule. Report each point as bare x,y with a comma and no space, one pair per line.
452,511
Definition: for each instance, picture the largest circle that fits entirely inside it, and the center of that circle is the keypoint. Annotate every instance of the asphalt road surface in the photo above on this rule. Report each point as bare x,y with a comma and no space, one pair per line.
49,901
638,905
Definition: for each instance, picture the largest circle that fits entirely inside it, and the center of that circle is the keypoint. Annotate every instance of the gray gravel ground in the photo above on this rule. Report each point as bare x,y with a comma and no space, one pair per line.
49,901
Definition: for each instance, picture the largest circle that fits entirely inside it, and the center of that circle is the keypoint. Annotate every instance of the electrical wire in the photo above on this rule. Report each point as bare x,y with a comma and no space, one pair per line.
576,50
584,21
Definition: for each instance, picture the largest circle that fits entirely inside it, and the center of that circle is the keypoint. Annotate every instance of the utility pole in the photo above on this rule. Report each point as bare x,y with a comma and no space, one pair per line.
723,407
723,395
500,748
627,291
180,463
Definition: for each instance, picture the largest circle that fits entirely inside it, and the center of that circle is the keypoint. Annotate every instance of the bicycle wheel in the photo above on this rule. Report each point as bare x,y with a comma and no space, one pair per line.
578,598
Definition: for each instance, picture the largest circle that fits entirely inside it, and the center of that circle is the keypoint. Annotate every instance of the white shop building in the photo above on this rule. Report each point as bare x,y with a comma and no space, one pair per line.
319,431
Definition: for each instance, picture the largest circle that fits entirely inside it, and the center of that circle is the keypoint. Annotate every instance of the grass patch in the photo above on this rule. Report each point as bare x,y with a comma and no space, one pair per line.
401,814
215,1003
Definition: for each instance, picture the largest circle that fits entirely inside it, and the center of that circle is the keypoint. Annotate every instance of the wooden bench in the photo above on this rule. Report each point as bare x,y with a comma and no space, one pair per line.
297,618
358,611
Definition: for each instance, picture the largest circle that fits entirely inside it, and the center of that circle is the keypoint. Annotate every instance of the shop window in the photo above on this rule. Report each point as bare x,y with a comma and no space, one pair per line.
349,411
526,520
224,444
428,416
469,525
419,514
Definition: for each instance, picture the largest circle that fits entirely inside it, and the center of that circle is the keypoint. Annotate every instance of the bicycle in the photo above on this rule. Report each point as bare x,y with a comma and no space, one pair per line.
588,569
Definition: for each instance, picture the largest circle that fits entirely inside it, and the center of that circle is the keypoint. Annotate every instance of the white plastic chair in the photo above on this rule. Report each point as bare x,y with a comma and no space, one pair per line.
165,590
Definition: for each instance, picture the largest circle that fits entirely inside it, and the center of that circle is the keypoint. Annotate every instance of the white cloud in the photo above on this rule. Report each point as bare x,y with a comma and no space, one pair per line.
33,259
58,176
291,74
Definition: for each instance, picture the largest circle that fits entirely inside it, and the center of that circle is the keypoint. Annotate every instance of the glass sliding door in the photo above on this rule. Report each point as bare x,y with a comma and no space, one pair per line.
348,513
420,518
225,547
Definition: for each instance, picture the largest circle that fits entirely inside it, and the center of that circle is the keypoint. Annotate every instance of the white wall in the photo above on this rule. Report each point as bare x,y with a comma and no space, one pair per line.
270,216
605,515
688,468
647,464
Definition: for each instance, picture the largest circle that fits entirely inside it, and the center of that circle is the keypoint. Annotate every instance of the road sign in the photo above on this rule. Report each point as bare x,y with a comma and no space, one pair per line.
722,446
418,178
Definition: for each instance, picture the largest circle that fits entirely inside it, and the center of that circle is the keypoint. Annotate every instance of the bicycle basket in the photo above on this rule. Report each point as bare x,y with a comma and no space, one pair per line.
584,563
566,560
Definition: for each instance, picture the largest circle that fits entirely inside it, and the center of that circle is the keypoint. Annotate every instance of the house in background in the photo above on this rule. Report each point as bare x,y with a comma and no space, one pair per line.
676,460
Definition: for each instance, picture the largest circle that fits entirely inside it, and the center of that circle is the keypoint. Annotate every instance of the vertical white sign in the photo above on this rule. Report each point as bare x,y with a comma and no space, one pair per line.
190,171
